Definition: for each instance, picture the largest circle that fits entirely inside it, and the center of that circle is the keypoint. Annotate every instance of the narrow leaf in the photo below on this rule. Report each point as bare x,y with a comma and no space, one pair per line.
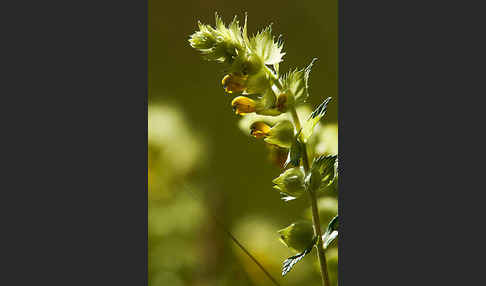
295,83
314,118
289,263
331,232
328,238
295,153
323,172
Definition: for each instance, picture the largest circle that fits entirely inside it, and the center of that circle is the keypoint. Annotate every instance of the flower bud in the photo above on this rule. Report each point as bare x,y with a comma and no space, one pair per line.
234,83
259,129
243,105
204,39
291,183
298,235
221,43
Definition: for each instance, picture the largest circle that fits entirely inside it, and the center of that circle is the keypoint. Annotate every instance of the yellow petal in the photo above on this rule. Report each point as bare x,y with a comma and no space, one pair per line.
259,129
234,83
243,105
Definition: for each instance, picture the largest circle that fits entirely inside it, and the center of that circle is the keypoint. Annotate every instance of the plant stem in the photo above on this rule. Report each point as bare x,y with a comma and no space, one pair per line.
315,211
232,237
318,233
249,255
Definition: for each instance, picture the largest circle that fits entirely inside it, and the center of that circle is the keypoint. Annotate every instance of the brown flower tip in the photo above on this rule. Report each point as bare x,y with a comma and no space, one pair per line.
282,102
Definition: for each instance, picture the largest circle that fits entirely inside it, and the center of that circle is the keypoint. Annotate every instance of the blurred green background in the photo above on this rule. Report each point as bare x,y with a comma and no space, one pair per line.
200,162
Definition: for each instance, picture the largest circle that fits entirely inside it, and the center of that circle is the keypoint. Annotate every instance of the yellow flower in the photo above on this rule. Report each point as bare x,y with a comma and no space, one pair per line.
243,105
234,83
280,134
259,129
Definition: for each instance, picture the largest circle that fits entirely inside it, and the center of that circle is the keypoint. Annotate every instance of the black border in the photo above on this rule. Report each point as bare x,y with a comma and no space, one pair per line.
405,71
76,191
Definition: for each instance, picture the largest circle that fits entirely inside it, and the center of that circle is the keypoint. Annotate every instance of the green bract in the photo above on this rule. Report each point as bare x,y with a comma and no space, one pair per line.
313,119
295,153
264,45
267,104
298,235
257,83
295,83
232,46
290,183
282,134
331,232
323,172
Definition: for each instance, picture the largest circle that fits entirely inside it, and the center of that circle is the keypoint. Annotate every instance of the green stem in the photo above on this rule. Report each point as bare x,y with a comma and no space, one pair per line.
315,211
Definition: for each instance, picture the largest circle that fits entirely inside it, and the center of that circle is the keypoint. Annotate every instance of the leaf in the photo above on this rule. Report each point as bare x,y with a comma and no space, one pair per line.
289,263
296,83
328,238
331,232
334,186
327,166
323,172
263,45
295,153
313,119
